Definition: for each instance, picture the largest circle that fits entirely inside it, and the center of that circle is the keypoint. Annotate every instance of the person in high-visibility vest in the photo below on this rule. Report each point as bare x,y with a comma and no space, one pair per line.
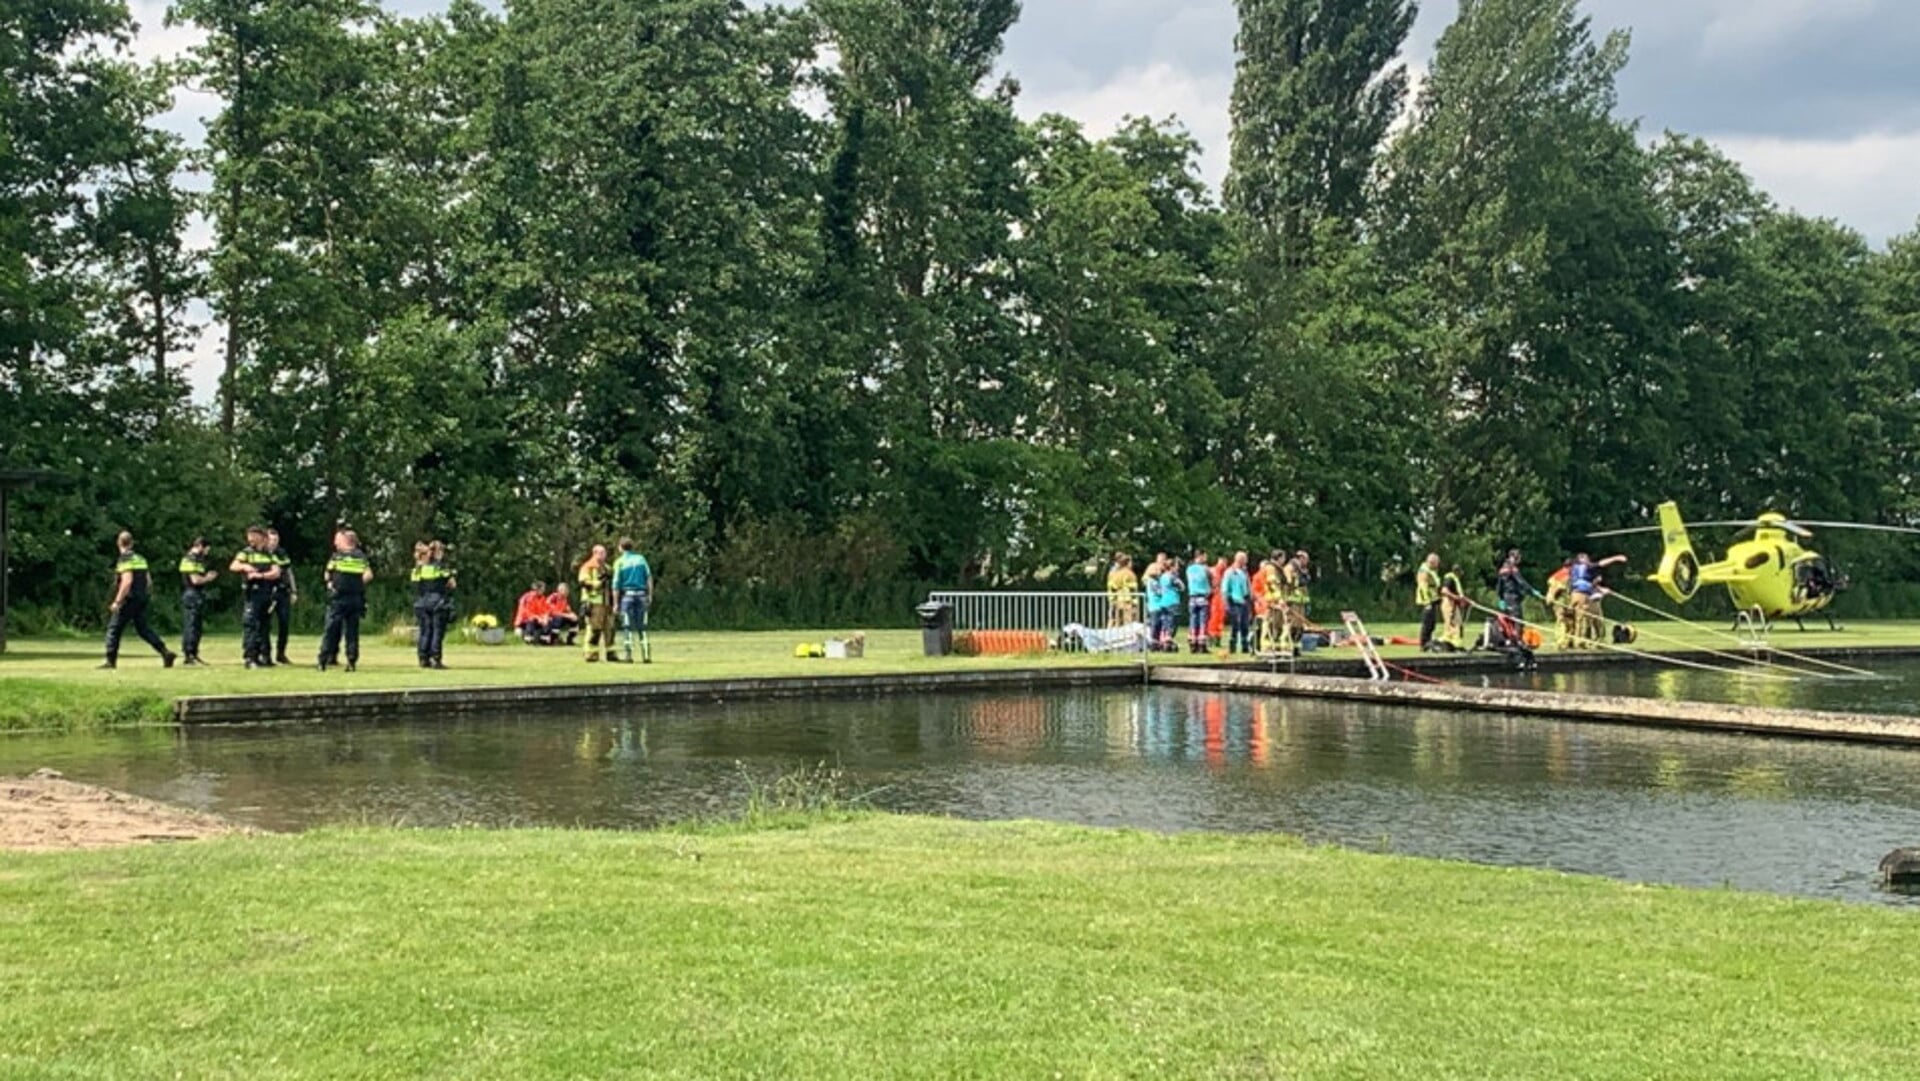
1123,592
1426,597
1272,590
133,589
1455,604
1560,602
596,603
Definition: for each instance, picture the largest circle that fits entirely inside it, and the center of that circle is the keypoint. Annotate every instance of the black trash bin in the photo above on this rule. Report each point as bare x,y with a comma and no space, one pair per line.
936,628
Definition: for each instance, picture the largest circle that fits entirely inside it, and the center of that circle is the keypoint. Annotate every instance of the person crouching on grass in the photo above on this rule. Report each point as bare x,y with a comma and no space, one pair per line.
563,624
531,618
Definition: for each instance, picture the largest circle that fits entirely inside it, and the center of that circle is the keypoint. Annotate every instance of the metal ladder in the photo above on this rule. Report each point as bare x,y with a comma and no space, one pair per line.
1753,626
1357,632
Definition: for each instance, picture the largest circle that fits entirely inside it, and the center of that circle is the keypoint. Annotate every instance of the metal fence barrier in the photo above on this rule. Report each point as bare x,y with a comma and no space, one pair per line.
1032,611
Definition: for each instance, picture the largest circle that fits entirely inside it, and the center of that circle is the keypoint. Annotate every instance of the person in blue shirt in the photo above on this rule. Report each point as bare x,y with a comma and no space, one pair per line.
1583,581
1199,598
633,592
1237,586
1163,600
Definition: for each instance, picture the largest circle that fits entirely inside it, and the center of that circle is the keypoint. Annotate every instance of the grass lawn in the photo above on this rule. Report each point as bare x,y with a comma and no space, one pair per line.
52,684
918,948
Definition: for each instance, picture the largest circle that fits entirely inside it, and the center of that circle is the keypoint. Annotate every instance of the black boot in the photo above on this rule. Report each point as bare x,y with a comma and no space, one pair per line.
167,659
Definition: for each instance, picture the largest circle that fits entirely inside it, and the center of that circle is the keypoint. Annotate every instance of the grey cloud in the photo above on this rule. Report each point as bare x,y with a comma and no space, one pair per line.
1787,68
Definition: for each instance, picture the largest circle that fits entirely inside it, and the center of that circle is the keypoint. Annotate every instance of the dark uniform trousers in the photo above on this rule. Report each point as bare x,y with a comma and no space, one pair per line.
192,618
343,622
282,615
132,612
431,613
253,624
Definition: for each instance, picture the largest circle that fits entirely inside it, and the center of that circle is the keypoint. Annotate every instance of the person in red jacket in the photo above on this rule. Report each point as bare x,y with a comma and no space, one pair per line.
530,619
1217,614
562,623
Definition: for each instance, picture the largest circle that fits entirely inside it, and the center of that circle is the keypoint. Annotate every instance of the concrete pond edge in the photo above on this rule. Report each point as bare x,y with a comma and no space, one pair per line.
1308,679
1647,712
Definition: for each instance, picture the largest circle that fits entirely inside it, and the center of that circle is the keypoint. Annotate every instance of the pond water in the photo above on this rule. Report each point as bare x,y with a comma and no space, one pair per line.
1895,687
1788,816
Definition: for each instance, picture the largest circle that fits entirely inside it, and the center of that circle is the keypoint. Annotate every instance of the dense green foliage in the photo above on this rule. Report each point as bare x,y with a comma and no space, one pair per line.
898,947
794,295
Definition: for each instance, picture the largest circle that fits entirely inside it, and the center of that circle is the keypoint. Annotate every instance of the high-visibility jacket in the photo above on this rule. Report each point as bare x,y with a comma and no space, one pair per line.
134,564
1426,586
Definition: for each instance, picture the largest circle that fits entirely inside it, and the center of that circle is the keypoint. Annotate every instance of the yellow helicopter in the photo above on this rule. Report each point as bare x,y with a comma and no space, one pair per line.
1770,575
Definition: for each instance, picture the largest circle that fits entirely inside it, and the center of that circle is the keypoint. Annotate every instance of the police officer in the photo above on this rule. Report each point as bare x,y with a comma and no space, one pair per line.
258,572
286,593
133,589
347,576
195,577
433,586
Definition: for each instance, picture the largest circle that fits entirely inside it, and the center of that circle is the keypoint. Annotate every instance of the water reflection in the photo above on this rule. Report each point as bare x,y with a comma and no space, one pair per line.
1897,690
1699,809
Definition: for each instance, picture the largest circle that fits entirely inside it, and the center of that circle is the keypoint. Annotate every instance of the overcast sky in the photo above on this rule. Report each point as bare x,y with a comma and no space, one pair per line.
1818,99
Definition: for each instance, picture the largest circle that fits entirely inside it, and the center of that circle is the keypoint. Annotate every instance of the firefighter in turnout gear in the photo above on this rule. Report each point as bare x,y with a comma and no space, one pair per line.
596,603
347,575
1560,602
258,572
133,589
195,577
1454,606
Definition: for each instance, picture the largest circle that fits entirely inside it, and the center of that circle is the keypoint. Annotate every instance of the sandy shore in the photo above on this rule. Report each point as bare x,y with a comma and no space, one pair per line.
45,812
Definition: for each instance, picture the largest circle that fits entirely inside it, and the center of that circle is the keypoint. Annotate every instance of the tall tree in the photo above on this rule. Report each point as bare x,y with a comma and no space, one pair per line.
1316,88
1523,211
1316,333
91,282
925,188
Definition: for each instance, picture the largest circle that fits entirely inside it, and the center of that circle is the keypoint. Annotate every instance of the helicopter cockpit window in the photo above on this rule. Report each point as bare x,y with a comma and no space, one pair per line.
1812,579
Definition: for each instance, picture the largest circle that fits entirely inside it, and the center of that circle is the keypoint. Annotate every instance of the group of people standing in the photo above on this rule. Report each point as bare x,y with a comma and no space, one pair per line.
269,591
1574,595
269,588
1253,610
614,591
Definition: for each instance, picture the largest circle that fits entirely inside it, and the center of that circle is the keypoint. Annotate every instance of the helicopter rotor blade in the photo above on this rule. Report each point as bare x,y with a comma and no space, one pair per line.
1861,527
1749,524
